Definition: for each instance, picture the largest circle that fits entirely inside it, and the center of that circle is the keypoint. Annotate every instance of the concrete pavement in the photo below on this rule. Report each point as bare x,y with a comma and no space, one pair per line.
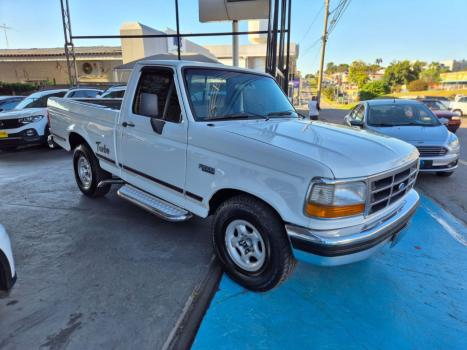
92,273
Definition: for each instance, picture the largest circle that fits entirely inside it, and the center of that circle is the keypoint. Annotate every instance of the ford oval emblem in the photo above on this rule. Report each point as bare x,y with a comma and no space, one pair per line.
401,186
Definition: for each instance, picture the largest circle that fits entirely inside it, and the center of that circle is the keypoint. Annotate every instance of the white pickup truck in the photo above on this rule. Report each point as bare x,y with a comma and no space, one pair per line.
207,139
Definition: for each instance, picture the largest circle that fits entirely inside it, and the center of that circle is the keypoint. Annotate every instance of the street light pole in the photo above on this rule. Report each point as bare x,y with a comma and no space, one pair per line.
323,48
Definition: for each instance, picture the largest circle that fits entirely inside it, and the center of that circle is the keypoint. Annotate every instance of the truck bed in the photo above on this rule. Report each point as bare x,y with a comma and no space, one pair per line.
95,120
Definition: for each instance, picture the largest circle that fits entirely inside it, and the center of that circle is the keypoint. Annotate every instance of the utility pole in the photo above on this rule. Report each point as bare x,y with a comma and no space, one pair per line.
235,44
323,48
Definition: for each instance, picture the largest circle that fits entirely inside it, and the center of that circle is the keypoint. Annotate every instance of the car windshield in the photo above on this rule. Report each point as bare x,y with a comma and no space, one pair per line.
399,114
37,101
220,94
435,105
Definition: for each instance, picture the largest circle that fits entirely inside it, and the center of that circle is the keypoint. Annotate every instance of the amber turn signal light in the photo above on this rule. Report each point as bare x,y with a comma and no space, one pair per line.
329,211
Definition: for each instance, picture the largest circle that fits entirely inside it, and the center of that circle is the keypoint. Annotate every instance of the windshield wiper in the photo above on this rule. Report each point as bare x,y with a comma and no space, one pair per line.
244,115
273,114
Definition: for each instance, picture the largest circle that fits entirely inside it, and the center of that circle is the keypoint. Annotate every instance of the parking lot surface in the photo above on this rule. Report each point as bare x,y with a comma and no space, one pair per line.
412,296
92,273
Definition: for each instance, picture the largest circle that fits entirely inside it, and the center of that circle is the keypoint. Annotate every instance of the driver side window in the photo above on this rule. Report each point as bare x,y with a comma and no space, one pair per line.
156,95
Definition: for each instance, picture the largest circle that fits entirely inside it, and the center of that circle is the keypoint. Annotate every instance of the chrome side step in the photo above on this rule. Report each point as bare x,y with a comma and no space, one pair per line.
153,204
110,182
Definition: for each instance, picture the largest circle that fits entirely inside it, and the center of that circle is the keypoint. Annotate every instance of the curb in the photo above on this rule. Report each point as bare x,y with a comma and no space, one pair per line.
184,332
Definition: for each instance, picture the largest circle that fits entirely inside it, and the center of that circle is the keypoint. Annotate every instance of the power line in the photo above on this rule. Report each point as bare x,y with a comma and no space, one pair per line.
339,11
312,22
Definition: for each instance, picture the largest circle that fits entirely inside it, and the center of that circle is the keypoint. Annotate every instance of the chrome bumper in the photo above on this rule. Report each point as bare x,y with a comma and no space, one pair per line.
318,248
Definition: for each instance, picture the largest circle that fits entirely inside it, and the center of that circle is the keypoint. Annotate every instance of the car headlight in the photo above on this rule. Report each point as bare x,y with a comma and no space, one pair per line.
32,119
454,145
328,200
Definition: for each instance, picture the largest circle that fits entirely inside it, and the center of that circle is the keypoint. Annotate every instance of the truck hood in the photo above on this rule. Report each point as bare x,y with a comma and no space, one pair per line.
417,134
347,152
20,113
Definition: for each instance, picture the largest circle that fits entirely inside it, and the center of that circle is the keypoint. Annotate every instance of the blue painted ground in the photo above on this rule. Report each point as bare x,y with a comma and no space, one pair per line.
413,296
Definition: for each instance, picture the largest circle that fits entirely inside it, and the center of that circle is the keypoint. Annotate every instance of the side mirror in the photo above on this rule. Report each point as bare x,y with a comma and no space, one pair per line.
444,121
355,122
149,105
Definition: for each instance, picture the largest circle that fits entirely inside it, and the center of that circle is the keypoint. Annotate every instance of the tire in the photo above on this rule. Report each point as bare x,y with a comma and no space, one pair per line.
445,173
245,220
84,160
49,141
458,111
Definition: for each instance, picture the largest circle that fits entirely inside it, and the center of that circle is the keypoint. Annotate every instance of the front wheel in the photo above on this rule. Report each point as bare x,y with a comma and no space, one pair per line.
88,172
250,241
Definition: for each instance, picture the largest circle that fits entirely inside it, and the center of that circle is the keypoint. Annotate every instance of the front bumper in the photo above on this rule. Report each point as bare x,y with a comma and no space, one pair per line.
25,137
317,248
449,162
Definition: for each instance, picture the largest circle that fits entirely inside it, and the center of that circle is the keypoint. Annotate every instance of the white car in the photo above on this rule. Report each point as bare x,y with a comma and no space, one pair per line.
28,122
114,92
459,105
203,139
7,264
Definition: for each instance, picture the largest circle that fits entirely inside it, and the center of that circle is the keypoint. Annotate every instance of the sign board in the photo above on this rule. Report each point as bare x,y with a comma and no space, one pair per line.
229,10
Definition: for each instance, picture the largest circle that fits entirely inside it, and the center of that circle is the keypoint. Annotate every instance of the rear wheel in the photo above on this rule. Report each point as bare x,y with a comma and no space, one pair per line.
458,111
88,172
251,243
445,173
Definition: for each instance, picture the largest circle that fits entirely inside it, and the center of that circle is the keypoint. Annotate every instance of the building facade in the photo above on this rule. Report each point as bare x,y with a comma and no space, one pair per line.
94,64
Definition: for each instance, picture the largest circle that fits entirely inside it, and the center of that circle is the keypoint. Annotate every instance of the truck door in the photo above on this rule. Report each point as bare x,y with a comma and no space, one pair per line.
154,139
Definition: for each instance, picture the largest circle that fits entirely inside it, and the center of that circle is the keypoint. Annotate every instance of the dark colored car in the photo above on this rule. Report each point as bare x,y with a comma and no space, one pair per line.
7,103
442,111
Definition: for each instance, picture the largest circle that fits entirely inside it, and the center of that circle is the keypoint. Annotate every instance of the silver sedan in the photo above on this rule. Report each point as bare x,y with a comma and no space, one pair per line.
413,122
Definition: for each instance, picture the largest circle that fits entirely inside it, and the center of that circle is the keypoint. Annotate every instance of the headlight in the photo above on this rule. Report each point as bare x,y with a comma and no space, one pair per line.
454,146
32,119
336,200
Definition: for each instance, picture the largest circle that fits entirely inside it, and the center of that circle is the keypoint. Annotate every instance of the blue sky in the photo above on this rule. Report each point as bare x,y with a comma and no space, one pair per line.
390,29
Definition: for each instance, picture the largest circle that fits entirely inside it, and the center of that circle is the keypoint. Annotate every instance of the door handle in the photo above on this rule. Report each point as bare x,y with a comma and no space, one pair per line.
125,124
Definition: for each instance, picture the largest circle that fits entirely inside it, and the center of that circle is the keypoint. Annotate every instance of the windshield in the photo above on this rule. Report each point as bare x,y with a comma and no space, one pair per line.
37,101
435,105
219,94
401,114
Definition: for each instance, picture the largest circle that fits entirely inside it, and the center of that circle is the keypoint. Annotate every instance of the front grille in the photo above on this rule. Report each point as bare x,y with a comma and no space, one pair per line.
431,151
10,124
389,188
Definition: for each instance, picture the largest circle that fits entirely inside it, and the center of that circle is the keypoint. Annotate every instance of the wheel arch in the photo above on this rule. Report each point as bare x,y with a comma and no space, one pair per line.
225,194
75,139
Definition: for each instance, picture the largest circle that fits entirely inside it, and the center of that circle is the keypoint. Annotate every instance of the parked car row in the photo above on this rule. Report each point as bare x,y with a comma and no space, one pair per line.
24,120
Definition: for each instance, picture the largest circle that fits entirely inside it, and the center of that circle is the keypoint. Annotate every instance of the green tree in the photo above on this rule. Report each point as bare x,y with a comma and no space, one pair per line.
373,89
432,73
417,85
331,68
342,68
402,72
359,73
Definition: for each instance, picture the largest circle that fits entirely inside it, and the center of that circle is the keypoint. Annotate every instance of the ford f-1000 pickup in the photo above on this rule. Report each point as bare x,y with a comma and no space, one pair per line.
206,139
